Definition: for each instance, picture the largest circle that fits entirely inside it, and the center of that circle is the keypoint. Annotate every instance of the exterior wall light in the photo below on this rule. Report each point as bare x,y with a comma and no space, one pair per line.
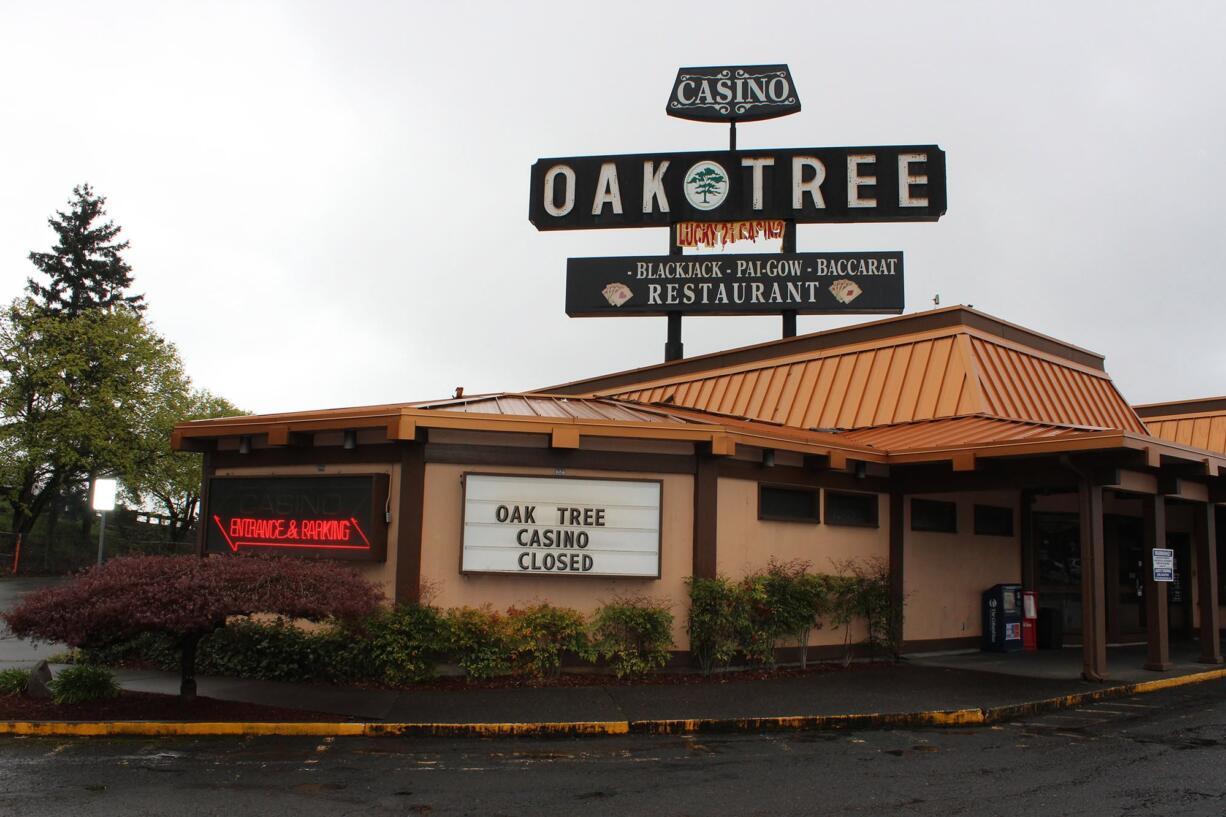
351,439
244,444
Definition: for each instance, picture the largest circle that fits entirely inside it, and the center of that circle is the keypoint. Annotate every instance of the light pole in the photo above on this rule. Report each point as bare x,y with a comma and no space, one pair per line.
104,500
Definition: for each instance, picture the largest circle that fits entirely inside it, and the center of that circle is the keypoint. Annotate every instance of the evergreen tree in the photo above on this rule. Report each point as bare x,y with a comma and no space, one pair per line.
86,267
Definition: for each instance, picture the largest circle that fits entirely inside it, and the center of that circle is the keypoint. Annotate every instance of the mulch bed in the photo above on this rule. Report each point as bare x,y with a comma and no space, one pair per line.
149,706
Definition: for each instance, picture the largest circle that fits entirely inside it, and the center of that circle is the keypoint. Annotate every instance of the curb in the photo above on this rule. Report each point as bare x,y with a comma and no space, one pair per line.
873,720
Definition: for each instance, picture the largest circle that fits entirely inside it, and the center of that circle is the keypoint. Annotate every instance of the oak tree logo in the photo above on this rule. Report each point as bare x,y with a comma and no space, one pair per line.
706,185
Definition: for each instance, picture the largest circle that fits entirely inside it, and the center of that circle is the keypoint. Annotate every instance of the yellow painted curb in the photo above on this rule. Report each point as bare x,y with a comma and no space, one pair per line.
949,717
1008,711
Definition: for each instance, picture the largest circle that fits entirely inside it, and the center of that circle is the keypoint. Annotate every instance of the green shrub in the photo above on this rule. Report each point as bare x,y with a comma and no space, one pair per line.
872,601
156,649
270,651
481,641
400,645
716,621
541,634
798,601
633,635
82,683
13,681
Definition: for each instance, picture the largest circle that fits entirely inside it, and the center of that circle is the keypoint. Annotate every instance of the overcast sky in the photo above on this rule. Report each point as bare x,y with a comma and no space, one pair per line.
327,202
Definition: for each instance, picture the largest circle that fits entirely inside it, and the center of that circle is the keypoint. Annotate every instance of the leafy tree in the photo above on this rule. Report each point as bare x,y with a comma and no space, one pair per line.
170,480
187,597
77,397
706,182
86,266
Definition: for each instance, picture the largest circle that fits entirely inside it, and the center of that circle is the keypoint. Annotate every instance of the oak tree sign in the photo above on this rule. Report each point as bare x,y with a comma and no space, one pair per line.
733,93
819,283
332,517
802,185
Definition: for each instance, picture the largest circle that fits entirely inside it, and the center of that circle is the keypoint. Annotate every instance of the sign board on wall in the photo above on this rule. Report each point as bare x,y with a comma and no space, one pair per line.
805,185
561,526
1164,565
733,93
819,283
332,517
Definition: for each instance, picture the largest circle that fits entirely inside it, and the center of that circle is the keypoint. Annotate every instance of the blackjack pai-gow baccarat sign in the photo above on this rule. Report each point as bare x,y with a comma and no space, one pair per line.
801,185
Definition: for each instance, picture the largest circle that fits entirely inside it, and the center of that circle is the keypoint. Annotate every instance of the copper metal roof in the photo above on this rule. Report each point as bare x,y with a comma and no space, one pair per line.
1199,423
558,406
947,372
956,431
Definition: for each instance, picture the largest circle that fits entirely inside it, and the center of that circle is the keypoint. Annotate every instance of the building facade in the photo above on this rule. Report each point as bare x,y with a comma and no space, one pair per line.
960,450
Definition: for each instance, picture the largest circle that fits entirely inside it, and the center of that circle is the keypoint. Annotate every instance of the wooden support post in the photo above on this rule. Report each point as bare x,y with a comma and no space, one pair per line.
1204,532
1093,606
897,565
1157,617
409,518
706,509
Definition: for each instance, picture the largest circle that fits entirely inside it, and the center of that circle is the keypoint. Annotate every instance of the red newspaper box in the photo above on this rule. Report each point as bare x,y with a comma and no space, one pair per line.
1030,615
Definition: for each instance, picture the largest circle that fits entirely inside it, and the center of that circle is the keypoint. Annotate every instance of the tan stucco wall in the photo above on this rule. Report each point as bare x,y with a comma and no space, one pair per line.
381,573
945,573
747,544
441,539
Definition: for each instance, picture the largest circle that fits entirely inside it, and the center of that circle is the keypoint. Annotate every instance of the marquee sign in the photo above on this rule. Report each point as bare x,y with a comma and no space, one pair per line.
824,283
561,526
333,517
733,93
804,185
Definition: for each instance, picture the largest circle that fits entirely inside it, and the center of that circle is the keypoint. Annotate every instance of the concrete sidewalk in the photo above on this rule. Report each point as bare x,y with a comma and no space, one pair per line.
863,689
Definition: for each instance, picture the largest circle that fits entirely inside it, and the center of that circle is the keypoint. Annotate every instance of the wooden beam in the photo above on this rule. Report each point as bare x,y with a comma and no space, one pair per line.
1204,535
402,428
478,455
564,438
1157,616
1093,602
897,563
722,445
410,514
964,461
706,512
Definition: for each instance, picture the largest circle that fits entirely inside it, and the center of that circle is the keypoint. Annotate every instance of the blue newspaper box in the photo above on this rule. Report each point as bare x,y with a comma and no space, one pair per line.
1002,618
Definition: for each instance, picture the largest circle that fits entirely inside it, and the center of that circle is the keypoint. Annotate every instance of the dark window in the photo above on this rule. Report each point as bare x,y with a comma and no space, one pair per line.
992,520
933,515
787,504
851,509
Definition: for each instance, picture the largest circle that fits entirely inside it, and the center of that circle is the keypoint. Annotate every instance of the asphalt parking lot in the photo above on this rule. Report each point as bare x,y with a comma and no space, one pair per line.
1155,754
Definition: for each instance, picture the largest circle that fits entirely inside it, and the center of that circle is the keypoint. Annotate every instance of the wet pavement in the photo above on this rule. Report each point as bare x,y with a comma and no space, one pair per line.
1158,754
15,652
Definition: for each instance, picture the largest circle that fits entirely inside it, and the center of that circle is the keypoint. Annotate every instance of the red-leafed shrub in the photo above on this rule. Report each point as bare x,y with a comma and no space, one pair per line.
187,597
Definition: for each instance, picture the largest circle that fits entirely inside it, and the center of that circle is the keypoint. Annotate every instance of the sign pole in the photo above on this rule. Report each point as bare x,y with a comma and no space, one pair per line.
101,536
674,349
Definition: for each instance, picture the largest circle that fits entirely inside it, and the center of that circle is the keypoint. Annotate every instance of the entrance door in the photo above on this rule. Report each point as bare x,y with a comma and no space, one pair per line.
1179,592
1127,581
1057,538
